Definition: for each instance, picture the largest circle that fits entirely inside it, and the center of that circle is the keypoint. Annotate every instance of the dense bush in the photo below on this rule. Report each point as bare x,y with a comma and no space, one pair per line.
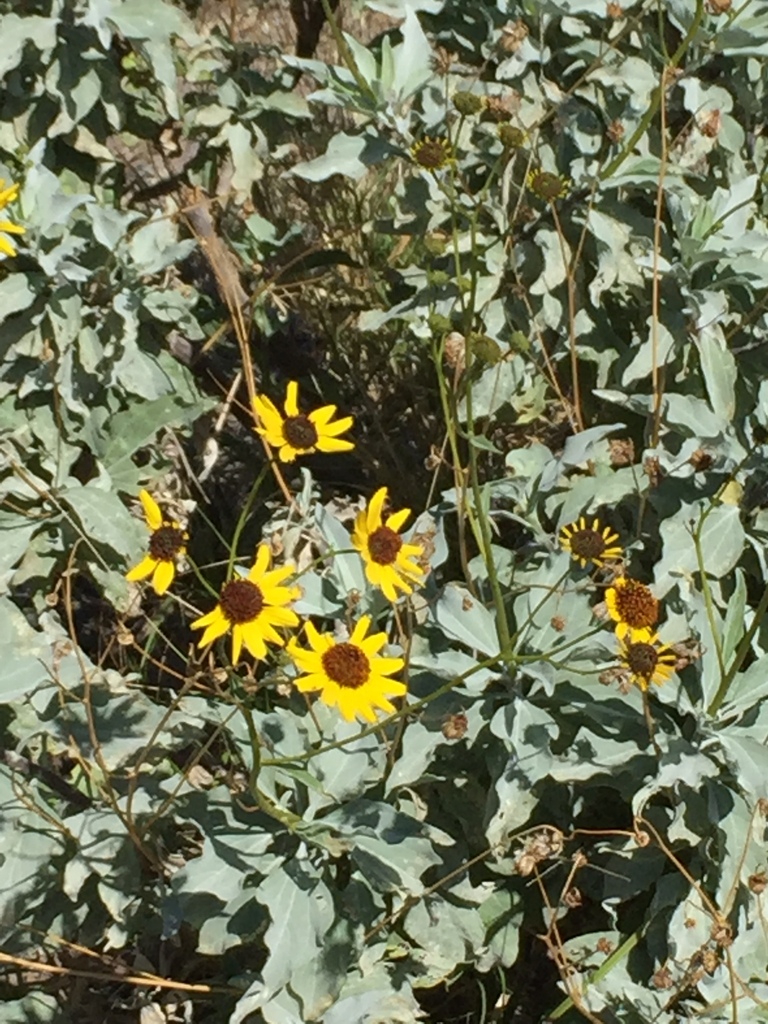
505,265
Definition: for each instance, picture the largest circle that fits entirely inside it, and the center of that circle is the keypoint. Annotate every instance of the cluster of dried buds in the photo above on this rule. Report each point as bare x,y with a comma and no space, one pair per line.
538,847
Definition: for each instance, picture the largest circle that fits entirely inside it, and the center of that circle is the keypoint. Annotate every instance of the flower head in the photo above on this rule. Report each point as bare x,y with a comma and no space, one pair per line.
297,433
253,607
432,154
590,543
388,560
165,546
349,675
647,660
7,195
632,607
546,185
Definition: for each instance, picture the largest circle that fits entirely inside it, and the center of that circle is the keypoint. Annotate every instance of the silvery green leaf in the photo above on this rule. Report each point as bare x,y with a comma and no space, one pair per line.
465,619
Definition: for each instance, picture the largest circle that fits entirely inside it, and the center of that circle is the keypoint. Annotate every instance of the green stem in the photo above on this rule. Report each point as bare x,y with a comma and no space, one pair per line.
241,519
741,652
596,976
345,53
658,94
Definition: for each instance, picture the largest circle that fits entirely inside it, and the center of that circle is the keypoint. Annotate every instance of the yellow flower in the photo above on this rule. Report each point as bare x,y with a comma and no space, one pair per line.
590,544
432,154
298,434
647,660
165,546
7,195
349,675
388,561
632,607
546,185
253,607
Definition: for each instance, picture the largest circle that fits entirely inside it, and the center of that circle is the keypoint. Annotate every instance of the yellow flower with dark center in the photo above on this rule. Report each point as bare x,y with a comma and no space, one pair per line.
590,543
165,545
254,608
7,195
432,154
546,185
297,433
632,607
349,675
388,559
647,660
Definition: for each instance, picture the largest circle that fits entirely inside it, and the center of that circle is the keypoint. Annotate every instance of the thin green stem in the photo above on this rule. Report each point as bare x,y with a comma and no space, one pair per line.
345,53
657,96
242,518
740,654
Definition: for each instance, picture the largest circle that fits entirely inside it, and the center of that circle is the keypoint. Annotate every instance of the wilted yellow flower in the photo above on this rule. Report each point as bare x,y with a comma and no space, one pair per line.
590,543
165,545
647,660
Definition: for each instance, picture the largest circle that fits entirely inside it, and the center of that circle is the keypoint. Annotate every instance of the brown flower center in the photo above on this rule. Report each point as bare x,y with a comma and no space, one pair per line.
587,544
636,605
642,659
547,185
300,432
347,665
384,545
431,153
166,543
241,601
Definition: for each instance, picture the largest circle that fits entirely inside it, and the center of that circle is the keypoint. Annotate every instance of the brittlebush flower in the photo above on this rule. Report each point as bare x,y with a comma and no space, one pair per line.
7,195
432,154
388,559
632,607
297,433
254,608
590,543
349,675
646,659
546,185
165,545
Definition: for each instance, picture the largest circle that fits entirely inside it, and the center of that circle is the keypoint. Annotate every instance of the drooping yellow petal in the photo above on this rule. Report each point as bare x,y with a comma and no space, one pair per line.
152,512
145,568
163,576
251,634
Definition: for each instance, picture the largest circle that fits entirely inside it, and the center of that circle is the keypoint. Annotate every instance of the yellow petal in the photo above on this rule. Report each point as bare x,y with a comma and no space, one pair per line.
261,563
334,429
397,520
163,577
358,633
216,629
292,399
332,444
374,509
140,572
6,247
254,641
152,512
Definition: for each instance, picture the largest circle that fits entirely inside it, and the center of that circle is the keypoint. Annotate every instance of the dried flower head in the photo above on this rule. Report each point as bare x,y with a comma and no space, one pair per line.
701,460
622,452
455,726
758,882
719,6
557,622
647,660
455,348
615,131
501,108
710,124
613,10
513,35
442,60
662,979
652,469
432,154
